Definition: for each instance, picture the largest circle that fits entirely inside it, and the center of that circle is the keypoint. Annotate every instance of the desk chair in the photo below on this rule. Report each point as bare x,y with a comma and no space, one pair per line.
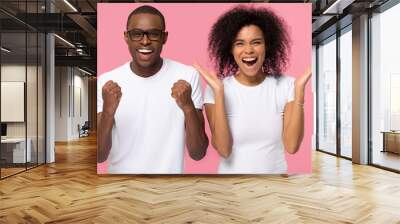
84,130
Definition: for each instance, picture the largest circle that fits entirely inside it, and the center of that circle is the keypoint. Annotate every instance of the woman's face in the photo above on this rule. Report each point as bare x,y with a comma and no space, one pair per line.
248,49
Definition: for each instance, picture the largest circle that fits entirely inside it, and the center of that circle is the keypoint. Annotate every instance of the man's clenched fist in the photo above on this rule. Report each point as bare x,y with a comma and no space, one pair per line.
182,93
111,96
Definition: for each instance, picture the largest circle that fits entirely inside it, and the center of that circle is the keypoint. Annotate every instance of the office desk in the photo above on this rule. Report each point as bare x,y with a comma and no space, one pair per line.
13,150
391,141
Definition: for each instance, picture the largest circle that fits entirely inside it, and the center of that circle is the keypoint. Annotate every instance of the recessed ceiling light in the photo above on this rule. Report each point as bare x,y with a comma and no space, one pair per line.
64,40
5,50
70,5
84,71
337,7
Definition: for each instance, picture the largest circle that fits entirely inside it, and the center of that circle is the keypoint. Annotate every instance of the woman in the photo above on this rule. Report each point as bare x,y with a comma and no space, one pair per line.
254,112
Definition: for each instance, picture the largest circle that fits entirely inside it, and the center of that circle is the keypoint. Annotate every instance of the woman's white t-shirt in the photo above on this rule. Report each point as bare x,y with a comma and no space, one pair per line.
255,118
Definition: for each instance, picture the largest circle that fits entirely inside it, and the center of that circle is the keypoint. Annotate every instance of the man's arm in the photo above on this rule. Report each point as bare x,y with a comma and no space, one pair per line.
195,135
196,138
111,94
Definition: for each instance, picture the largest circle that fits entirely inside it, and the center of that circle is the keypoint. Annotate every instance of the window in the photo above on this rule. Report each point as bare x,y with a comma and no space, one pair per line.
327,95
385,89
346,75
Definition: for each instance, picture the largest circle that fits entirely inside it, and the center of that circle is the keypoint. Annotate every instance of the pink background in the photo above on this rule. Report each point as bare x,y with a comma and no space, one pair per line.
188,26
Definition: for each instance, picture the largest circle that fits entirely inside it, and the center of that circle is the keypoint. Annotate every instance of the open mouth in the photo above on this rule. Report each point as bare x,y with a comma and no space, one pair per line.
249,61
145,51
144,54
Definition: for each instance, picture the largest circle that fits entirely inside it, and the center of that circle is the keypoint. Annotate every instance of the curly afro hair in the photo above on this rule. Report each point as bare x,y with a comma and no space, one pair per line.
224,31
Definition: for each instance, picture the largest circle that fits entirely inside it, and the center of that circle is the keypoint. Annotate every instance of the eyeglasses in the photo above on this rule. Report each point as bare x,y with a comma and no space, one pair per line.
137,34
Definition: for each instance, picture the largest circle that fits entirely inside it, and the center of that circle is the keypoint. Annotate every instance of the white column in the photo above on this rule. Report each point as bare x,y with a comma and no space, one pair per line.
50,93
360,90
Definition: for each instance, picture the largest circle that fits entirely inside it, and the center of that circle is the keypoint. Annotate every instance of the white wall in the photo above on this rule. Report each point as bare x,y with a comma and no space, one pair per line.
61,103
80,110
71,93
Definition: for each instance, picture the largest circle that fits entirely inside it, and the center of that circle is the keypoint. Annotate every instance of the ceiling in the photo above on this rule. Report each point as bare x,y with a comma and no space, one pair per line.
76,22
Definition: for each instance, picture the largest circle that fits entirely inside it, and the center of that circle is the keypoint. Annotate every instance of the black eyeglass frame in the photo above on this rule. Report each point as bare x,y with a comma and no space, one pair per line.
148,33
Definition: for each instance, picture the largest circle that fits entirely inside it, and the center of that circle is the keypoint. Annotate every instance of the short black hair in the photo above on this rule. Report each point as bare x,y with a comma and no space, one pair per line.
146,9
224,31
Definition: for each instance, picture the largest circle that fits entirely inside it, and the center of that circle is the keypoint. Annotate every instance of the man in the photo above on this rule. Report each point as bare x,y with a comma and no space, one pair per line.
149,107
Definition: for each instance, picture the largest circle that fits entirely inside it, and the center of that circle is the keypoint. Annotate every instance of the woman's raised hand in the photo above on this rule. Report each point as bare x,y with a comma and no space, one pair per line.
211,78
301,81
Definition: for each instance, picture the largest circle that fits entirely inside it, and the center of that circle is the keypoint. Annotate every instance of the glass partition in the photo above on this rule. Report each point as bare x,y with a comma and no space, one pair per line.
13,105
22,77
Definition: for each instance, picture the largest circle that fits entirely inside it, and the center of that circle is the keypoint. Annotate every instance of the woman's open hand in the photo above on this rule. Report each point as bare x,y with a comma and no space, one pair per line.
211,78
301,81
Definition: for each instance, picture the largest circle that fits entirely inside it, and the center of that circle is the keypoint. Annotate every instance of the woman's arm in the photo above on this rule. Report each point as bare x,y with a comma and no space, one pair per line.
221,138
293,118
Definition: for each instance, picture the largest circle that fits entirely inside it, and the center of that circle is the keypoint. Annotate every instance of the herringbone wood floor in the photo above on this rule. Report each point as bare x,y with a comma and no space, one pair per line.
70,191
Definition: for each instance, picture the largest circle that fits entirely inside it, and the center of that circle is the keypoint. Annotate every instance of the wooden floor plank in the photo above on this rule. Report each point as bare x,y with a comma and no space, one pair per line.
70,191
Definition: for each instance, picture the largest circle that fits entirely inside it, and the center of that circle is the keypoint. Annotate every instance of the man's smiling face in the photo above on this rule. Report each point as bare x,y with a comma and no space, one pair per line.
145,49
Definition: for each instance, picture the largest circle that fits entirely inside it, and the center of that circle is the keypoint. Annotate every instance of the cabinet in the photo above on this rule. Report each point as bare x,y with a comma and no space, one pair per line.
391,141
13,150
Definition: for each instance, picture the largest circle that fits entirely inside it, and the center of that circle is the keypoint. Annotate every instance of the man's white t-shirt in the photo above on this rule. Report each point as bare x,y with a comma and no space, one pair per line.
148,135
255,118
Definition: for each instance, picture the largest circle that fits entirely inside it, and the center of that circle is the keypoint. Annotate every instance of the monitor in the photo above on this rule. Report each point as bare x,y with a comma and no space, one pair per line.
3,129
